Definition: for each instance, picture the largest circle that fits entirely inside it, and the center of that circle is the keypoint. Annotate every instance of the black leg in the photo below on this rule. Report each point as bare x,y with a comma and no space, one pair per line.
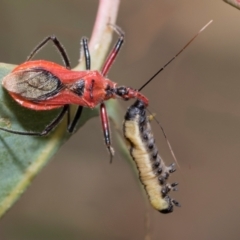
84,44
47,129
57,44
86,53
72,125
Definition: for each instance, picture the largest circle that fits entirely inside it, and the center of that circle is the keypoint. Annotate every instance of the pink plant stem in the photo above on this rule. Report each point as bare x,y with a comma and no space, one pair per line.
235,3
102,34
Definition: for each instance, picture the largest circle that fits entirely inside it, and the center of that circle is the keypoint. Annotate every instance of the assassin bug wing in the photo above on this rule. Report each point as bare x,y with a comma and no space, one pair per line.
34,84
153,172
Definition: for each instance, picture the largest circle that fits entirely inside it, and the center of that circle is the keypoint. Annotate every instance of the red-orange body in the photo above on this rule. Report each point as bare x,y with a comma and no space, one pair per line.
42,85
96,88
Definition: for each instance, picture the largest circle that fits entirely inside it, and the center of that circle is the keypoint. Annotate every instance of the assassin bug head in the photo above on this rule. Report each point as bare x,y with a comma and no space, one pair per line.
127,93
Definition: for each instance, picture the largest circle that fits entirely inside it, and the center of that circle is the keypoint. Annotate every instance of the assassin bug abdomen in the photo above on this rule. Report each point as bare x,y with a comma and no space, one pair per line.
153,172
44,85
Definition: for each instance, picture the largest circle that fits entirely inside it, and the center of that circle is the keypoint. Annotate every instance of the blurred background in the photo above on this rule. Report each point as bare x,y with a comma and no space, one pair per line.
79,195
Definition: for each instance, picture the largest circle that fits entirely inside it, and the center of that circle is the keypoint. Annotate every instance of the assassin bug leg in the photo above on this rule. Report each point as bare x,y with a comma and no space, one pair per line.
106,67
47,129
84,44
106,129
112,56
57,44
72,125
42,85
86,53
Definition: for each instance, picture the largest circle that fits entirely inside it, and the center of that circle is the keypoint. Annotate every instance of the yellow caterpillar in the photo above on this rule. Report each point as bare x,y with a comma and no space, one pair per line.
153,172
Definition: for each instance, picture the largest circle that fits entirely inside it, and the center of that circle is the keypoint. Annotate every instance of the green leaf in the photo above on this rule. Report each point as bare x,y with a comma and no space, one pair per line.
234,3
22,157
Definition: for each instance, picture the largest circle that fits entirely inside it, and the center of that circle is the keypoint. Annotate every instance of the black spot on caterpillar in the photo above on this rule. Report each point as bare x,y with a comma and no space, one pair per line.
153,172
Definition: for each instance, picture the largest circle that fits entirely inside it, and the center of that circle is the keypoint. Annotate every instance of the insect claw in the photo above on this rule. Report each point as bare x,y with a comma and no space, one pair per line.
176,203
161,180
165,191
111,152
174,186
172,168
165,175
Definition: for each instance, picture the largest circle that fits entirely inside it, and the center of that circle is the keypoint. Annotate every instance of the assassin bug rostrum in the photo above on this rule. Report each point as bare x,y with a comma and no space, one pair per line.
43,85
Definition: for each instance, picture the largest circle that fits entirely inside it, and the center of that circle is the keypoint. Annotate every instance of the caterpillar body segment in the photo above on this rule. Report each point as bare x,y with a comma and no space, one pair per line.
153,172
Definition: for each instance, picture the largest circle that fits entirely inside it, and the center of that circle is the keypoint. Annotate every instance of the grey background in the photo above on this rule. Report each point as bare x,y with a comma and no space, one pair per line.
79,195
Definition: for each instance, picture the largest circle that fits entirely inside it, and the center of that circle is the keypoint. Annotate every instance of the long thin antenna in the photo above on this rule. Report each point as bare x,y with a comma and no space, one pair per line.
158,122
161,69
165,136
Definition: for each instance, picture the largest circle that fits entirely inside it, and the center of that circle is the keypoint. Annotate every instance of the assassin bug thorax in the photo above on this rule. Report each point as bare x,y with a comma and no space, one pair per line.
44,85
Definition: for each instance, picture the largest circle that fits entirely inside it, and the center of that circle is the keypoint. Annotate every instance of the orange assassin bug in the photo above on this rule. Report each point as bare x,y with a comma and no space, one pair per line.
43,85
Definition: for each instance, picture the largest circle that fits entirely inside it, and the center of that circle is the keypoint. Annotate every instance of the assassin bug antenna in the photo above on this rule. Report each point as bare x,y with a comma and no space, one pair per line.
165,136
160,70
105,69
164,66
